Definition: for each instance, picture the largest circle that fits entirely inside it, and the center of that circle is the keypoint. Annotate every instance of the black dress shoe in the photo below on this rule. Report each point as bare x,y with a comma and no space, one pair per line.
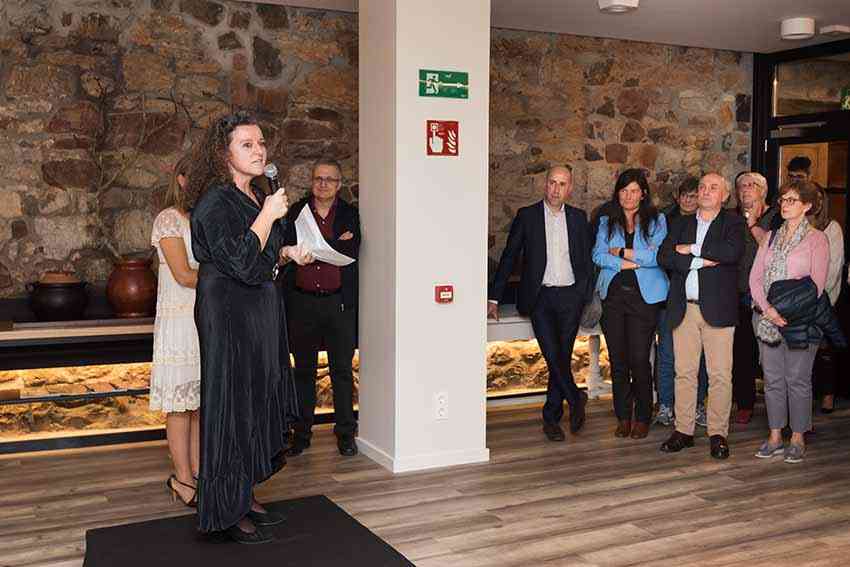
719,447
676,442
256,537
553,432
267,518
298,446
347,447
577,415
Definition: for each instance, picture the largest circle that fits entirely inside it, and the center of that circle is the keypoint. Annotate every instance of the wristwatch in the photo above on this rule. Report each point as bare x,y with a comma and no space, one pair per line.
623,253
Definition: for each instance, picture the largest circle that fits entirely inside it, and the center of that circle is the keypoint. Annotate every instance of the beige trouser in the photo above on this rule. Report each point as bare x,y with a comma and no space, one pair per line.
690,339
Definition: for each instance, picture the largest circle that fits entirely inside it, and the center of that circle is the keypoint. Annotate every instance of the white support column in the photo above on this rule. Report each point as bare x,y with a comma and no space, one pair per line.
424,223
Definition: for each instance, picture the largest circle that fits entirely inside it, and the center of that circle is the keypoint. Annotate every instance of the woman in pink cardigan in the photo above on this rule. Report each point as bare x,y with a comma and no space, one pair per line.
798,250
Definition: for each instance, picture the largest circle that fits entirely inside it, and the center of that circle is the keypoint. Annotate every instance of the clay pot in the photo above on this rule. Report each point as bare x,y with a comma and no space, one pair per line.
58,296
131,289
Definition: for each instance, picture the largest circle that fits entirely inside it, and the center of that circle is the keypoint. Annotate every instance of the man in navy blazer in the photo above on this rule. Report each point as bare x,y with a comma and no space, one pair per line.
702,253
554,241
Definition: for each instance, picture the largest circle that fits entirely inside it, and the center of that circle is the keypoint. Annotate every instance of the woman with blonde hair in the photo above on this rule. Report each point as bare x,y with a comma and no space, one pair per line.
175,386
825,362
751,195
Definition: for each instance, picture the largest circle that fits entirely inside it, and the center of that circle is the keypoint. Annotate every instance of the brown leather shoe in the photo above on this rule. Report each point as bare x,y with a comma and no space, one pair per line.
640,430
624,428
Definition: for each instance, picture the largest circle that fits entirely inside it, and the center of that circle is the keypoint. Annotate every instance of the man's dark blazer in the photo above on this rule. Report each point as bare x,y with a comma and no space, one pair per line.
528,236
346,219
718,286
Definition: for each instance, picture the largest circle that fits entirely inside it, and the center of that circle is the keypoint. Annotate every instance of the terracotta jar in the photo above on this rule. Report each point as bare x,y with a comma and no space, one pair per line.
131,289
58,296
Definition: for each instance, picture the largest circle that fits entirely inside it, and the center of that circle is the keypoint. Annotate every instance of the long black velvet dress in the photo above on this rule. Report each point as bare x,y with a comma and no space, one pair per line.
247,393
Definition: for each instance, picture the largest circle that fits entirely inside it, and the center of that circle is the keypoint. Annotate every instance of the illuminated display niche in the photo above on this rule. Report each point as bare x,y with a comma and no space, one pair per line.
513,367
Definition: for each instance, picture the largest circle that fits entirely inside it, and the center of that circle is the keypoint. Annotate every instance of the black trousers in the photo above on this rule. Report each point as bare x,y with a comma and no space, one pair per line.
629,324
825,371
316,323
555,319
745,359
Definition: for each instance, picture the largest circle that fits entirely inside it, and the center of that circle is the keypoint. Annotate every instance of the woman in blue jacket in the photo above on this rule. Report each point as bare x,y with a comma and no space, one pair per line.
633,289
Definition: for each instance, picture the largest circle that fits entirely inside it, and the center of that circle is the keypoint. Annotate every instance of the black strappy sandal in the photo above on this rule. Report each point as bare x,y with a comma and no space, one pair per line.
193,503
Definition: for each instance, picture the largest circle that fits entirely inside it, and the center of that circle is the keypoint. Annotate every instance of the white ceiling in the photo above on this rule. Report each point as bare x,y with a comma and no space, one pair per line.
739,25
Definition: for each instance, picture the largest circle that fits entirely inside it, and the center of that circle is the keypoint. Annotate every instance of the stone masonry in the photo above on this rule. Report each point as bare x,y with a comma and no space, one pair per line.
96,91
603,105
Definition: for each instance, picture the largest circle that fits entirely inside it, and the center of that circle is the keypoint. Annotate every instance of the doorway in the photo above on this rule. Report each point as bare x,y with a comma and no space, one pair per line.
829,168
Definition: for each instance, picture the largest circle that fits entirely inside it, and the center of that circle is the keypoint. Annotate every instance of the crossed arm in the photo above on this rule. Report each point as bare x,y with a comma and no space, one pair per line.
607,256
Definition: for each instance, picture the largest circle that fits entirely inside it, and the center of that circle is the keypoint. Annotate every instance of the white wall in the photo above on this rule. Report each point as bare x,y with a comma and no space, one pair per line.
377,140
439,235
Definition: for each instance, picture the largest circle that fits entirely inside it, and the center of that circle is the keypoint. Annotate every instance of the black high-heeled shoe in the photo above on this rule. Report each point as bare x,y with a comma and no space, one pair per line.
267,518
192,503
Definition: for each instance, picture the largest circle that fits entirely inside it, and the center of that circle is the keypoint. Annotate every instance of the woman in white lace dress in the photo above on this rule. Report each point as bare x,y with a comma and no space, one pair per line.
175,386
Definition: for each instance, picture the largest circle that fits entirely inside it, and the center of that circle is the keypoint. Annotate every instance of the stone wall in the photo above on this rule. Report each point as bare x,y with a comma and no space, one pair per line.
603,105
98,100
83,86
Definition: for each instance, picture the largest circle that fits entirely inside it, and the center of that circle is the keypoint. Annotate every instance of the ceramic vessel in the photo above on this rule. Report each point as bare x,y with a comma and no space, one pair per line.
131,289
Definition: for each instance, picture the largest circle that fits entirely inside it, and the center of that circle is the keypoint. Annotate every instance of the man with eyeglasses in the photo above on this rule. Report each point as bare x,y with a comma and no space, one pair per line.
687,199
322,308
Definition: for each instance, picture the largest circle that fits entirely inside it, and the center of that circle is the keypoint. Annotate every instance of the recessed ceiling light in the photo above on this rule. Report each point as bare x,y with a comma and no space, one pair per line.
798,28
618,6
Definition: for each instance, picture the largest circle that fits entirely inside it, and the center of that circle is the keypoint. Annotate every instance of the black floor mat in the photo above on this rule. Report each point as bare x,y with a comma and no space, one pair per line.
317,533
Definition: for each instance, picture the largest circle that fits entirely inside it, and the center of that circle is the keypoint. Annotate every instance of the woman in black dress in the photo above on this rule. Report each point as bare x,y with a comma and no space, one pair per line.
247,394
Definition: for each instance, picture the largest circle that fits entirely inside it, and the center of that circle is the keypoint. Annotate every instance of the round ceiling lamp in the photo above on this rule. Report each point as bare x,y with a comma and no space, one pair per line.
798,28
618,6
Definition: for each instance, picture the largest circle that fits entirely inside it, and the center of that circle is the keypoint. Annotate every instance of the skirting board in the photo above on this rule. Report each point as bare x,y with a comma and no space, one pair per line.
422,462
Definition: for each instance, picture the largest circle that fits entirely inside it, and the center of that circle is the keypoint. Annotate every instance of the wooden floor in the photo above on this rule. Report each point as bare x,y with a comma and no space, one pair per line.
594,500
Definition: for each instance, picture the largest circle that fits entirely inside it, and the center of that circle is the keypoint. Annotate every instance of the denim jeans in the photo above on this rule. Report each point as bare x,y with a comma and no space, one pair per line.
665,366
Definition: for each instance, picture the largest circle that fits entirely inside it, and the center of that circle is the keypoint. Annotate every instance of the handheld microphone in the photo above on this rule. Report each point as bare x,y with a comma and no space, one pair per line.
270,171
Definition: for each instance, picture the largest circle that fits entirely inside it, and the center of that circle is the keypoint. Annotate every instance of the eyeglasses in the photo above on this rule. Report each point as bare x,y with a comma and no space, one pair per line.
788,200
329,181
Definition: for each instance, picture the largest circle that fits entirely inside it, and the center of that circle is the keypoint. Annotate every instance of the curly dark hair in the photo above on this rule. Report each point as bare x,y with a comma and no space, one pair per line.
209,156
646,214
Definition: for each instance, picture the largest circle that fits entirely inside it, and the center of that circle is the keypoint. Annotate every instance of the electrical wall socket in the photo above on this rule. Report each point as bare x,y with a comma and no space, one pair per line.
441,405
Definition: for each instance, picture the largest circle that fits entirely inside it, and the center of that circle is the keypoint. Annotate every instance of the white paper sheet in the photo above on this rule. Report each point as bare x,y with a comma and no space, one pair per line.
308,234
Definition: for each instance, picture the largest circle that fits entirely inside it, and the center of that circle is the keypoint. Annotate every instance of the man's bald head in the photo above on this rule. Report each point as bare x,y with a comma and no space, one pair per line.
559,185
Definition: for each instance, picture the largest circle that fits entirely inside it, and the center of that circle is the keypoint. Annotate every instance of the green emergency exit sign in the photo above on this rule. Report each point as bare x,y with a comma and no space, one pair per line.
445,84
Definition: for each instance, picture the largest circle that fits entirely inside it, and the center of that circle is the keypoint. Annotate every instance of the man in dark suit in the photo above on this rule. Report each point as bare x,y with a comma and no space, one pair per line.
322,308
702,253
554,240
